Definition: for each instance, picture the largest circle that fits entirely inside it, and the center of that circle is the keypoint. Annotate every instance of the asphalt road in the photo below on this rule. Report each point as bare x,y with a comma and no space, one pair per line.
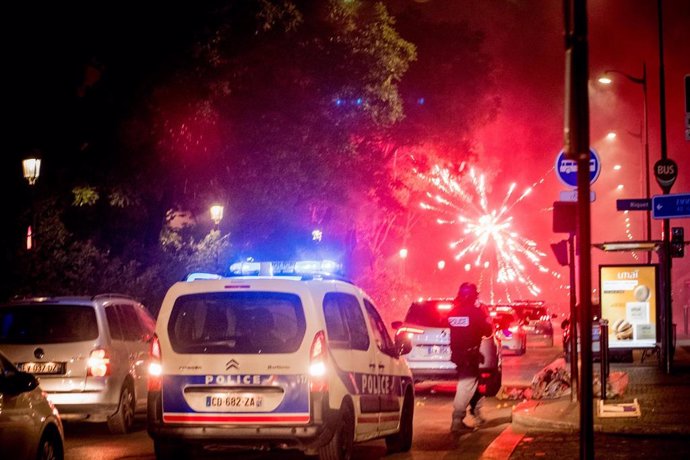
432,439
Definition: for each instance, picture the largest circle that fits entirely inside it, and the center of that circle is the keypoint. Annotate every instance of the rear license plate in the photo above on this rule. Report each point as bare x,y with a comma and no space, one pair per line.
42,368
232,401
433,350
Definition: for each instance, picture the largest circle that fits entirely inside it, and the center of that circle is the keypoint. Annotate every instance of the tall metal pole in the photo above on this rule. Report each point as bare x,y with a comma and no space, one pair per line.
648,213
667,265
576,132
574,379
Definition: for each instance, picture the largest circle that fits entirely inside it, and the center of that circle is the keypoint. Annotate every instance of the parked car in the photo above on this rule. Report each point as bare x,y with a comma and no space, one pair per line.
285,356
509,329
90,354
30,427
426,328
536,320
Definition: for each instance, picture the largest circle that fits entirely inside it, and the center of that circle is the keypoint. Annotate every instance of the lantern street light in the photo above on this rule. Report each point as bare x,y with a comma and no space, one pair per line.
216,214
606,80
32,169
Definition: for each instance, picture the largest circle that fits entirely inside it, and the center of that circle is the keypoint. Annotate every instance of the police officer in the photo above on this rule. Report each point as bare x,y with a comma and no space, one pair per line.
468,324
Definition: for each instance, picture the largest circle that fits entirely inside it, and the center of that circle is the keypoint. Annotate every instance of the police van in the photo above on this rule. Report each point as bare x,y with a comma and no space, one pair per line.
280,356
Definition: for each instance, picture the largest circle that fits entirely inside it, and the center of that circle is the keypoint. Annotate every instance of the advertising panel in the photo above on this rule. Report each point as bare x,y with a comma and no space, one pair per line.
629,302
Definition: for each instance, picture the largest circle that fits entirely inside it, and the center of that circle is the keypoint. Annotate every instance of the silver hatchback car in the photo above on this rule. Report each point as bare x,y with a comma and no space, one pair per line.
426,328
90,354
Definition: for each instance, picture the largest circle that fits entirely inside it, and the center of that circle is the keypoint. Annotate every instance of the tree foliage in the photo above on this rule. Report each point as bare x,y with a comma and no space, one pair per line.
294,114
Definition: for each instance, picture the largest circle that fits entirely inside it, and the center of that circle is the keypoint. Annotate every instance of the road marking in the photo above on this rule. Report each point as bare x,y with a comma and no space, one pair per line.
503,446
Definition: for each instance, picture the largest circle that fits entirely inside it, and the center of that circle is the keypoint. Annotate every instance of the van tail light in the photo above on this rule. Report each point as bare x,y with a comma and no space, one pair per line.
155,367
98,364
318,356
409,331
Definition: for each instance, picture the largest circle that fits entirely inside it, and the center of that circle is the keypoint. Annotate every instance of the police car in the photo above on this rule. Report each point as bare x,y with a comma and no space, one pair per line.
278,357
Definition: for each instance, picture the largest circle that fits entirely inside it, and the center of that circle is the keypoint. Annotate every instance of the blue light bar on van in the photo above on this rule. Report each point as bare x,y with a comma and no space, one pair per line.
202,276
302,267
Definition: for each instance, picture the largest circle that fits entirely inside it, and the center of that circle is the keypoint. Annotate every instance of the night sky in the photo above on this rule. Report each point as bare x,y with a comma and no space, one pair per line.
55,52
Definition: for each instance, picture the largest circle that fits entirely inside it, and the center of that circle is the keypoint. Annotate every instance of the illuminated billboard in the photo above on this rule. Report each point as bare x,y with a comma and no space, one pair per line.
629,302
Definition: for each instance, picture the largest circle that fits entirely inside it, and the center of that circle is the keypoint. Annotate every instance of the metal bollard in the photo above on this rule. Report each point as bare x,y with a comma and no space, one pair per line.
604,355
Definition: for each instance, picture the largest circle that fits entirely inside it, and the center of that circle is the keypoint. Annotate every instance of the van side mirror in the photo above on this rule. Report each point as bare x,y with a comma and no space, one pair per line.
396,325
403,345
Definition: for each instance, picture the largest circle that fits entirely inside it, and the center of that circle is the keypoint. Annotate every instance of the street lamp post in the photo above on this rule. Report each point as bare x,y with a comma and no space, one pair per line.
32,169
216,216
643,82
403,255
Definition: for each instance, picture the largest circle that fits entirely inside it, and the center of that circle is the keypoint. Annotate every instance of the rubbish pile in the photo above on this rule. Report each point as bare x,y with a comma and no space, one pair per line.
551,382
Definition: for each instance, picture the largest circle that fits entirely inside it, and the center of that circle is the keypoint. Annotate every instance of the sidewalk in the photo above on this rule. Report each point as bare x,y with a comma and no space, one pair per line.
664,401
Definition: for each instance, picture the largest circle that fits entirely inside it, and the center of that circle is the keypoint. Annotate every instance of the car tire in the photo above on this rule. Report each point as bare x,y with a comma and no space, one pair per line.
402,440
169,450
341,445
523,349
50,447
122,421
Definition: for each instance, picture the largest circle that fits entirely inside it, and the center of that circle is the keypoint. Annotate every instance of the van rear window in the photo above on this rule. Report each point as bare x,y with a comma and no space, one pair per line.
237,322
24,324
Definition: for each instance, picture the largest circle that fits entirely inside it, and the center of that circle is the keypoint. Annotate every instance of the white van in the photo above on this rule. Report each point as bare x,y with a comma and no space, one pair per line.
266,361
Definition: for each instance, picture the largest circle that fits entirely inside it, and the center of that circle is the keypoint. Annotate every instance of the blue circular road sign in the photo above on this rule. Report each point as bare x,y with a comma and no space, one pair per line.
566,169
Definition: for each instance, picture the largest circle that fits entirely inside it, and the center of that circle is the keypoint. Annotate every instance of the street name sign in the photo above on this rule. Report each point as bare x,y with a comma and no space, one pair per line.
634,204
673,206
571,195
566,169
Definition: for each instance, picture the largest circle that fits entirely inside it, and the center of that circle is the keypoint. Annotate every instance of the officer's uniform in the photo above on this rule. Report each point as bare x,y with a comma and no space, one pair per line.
468,324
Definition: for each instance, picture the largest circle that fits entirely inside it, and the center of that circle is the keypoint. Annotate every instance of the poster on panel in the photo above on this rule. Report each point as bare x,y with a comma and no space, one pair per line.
629,302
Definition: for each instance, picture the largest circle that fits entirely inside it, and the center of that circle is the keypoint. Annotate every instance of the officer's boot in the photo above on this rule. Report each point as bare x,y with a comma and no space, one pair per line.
457,425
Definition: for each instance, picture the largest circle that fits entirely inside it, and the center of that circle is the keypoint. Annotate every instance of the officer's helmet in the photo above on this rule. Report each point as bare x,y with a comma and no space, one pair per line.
468,292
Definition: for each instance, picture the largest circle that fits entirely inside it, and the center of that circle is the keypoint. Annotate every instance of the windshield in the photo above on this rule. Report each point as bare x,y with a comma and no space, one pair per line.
237,322
430,313
23,324
531,313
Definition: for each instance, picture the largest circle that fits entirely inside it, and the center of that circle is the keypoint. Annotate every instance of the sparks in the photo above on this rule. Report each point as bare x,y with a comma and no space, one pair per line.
488,241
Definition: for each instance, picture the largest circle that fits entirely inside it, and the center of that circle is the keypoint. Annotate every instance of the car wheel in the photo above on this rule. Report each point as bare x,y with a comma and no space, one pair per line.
50,447
341,445
523,348
402,440
121,422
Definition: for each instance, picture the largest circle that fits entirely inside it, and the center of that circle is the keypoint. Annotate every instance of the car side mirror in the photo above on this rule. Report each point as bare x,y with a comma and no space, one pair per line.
396,325
17,383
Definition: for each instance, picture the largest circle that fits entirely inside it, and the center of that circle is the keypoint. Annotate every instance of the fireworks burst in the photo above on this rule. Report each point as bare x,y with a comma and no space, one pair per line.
488,240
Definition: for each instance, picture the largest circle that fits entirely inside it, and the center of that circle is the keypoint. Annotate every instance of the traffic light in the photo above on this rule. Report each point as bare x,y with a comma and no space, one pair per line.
677,242
560,250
